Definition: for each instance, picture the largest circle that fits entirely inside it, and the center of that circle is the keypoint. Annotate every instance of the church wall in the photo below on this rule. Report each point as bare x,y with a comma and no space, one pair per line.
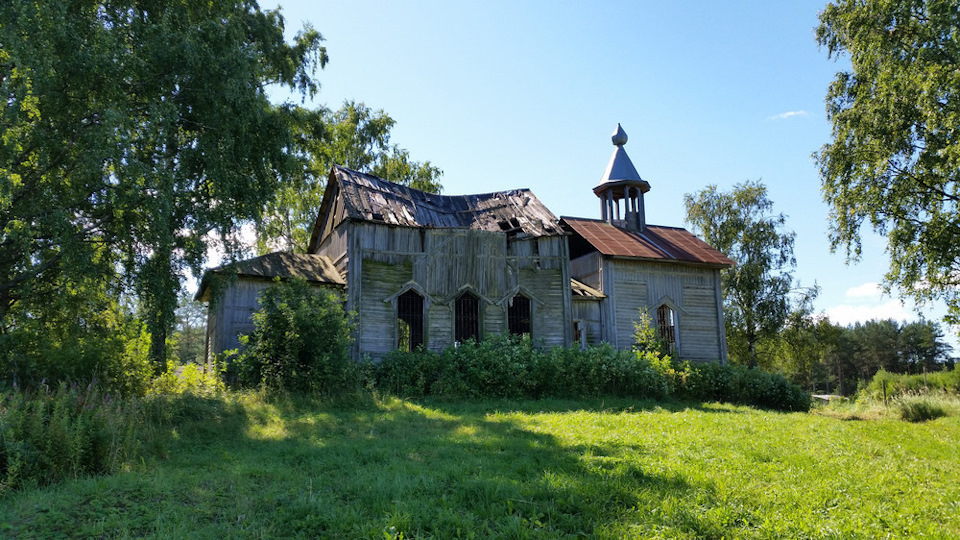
633,285
443,263
586,312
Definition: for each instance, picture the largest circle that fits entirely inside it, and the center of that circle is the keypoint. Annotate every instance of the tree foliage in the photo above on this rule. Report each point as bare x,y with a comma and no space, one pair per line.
894,158
741,224
134,133
823,356
353,136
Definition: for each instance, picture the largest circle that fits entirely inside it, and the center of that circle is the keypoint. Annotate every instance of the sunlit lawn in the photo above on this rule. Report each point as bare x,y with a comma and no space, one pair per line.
547,469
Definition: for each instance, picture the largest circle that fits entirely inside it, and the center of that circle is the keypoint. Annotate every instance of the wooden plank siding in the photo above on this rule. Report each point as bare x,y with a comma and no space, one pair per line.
232,315
587,270
334,246
587,312
443,263
633,284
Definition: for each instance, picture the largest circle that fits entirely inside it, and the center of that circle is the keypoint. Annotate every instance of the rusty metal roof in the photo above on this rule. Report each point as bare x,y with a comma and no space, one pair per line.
313,268
516,211
657,243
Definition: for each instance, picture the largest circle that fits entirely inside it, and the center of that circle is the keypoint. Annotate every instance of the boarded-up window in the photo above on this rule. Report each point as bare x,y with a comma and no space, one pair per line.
518,315
467,318
409,321
667,326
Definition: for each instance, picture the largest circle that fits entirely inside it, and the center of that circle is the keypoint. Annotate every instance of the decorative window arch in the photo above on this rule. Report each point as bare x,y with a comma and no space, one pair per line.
410,327
466,317
410,306
519,315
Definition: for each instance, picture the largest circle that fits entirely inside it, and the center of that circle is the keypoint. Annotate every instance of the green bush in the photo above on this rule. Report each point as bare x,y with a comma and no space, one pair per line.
497,368
898,385
712,381
599,371
920,409
512,367
49,435
187,378
300,342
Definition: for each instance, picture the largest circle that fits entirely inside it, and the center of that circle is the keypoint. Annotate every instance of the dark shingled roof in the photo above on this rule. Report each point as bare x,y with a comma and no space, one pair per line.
313,268
370,198
656,243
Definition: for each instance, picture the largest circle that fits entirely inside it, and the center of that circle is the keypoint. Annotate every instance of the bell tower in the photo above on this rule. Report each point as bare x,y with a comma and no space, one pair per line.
622,183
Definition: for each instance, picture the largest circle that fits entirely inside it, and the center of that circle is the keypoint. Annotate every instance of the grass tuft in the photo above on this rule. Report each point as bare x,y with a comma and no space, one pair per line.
921,408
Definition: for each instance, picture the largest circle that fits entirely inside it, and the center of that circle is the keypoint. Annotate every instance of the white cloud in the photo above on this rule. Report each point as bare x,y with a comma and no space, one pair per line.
867,290
786,115
846,314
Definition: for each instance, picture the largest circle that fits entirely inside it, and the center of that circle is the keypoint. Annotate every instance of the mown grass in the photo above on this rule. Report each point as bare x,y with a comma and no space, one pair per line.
389,468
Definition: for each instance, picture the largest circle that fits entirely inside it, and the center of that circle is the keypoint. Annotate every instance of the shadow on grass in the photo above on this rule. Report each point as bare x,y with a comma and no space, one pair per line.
374,467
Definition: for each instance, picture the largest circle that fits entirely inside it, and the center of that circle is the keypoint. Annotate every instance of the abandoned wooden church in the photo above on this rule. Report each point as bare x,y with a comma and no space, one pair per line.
426,270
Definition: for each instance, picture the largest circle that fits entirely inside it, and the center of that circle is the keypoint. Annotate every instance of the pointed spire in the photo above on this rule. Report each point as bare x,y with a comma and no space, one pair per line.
621,183
619,136
620,170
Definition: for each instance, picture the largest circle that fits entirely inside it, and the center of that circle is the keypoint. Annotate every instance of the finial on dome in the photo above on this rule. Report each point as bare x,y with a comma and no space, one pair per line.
619,136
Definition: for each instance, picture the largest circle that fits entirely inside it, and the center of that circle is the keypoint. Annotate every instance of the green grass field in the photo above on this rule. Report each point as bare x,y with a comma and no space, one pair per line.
538,469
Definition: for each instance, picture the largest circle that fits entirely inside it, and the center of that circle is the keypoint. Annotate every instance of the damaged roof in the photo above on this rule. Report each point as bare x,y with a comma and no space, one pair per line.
313,268
656,243
581,289
515,211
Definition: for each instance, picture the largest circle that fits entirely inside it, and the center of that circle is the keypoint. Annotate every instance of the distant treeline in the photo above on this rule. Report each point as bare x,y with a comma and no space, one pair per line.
826,357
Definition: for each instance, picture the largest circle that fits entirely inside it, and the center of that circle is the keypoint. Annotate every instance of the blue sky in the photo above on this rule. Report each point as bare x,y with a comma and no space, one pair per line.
526,94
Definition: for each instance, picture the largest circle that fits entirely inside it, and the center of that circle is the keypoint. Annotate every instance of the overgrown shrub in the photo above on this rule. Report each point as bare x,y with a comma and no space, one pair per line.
300,341
598,371
712,381
407,374
920,408
49,435
892,385
496,367
187,378
512,367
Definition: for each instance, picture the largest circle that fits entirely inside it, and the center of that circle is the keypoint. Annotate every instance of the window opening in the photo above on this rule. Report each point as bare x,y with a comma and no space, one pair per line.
409,321
667,327
467,318
518,315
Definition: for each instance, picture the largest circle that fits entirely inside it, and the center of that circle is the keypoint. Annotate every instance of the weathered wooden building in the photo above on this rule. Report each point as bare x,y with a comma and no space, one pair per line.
667,271
429,270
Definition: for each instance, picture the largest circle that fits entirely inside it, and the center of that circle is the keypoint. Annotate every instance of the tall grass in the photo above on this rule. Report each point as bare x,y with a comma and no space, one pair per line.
596,468
51,434
47,435
921,408
886,385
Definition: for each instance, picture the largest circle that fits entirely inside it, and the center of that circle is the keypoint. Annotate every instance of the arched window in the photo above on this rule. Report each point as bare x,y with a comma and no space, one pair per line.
666,324
518,315
409,321
467,323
